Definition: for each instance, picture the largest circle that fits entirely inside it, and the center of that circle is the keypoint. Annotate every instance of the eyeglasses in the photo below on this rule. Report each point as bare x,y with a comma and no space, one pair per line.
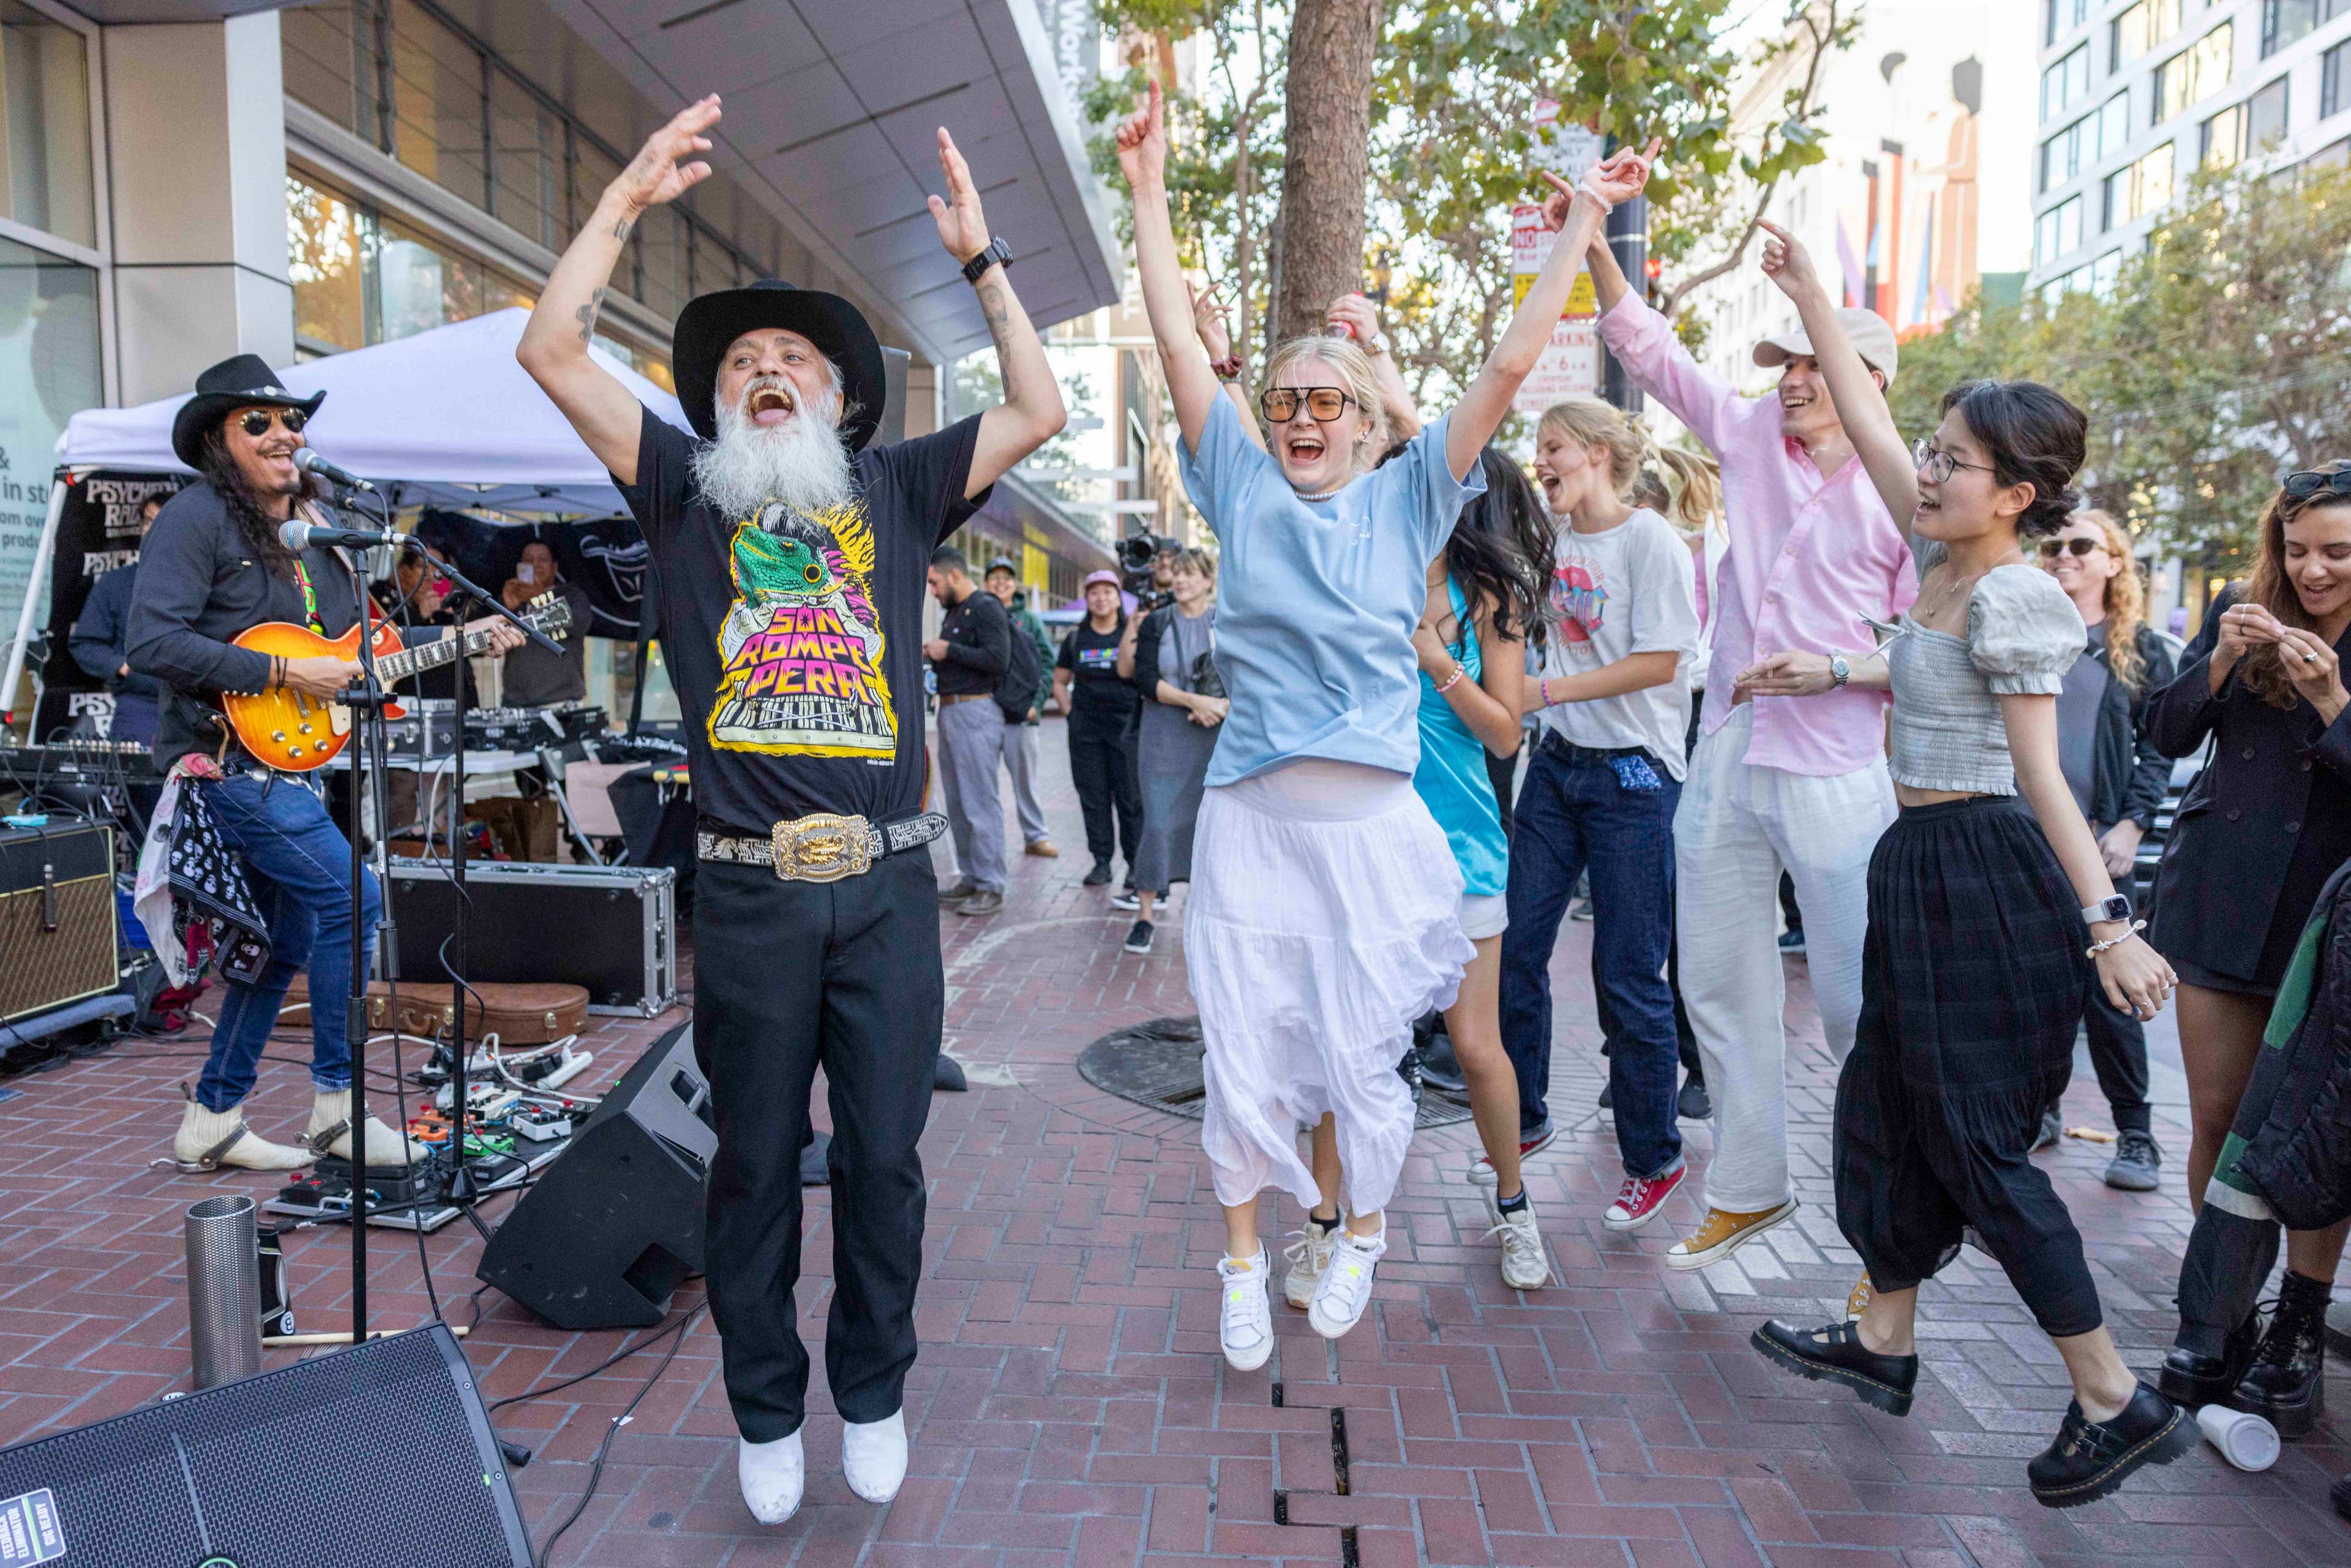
2309,482
2052,549
1280,404
1934,465
254,421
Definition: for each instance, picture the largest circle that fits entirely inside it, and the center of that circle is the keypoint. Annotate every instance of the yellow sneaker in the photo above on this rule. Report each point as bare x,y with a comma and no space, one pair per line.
1724,1233
1856,1301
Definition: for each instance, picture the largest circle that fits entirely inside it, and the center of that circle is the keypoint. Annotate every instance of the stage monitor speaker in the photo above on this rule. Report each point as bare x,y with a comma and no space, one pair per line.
378,1455
57,918
604,1237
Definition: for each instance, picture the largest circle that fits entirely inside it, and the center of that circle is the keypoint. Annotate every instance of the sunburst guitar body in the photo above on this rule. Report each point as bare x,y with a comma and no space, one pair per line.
294,732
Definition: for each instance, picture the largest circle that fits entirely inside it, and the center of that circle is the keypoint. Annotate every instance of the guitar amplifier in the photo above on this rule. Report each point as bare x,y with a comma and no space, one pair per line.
58,918
610,929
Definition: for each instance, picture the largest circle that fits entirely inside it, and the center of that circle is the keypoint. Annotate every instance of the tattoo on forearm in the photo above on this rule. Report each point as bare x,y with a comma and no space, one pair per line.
997,308
621,229
587,313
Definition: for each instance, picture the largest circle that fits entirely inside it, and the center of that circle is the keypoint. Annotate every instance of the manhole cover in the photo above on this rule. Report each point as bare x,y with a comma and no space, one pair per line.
1158,1065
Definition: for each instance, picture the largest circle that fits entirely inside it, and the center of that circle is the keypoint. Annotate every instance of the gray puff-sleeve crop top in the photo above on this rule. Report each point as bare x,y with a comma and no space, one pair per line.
2024,635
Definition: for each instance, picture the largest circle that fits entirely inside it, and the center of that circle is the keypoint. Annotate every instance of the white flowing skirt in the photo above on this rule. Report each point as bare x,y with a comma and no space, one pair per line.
1323,921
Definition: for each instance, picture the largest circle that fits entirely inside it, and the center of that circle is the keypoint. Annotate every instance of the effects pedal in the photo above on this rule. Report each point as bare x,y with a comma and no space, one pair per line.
541,1124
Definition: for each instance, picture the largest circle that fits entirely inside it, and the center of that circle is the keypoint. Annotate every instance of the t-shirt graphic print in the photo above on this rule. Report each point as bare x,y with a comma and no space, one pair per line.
800,649
1579,591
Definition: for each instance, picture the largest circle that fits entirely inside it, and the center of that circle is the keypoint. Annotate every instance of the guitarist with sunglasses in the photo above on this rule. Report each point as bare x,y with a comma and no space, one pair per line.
213,566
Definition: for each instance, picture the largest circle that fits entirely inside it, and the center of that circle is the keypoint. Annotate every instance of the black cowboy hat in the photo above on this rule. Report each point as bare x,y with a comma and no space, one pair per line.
712,321
244,382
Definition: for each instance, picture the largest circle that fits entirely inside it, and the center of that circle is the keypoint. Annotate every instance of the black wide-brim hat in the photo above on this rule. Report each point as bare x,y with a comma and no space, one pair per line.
245,382
710,322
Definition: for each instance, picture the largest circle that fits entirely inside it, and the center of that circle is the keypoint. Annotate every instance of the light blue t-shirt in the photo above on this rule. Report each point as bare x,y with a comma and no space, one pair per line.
1316,600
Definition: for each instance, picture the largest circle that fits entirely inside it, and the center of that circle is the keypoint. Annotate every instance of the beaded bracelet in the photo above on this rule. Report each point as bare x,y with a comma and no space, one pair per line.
1459,670
2094,949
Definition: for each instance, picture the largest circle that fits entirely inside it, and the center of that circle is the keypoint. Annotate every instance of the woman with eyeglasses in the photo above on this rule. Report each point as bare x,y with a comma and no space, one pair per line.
1989,906
2261,830
1323,919
2119,777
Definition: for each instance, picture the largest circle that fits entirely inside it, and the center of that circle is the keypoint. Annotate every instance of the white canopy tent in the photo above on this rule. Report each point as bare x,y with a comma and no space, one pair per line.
445,417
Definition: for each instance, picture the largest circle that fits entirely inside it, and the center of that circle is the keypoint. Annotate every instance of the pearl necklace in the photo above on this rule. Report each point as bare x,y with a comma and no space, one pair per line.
1325,495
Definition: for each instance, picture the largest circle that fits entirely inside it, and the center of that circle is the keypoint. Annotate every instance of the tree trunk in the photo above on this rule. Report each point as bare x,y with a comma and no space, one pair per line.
1327,151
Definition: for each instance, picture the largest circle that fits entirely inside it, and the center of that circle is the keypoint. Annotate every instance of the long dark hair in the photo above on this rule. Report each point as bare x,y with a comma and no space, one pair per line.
2272,588
1501,550
253,525
2035,437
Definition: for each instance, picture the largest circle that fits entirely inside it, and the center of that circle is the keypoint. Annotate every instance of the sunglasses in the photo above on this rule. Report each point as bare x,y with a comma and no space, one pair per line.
1280,404
2052,549
254,421
2309,482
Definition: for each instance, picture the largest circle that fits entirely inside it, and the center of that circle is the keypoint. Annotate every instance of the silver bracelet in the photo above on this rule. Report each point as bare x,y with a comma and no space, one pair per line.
2094,949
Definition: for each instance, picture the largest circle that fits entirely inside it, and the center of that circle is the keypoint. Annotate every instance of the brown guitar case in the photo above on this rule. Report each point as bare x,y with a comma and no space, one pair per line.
519,1015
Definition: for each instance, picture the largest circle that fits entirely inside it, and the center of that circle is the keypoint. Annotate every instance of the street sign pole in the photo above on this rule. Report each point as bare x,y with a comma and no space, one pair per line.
1628,239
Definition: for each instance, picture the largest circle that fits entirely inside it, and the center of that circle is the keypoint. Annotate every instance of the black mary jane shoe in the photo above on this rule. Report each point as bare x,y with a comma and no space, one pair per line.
2287,1384
1833,1354
2196,1381
2090,1458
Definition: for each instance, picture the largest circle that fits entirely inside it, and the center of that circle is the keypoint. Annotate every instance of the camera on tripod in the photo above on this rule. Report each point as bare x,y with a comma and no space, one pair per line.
1136,551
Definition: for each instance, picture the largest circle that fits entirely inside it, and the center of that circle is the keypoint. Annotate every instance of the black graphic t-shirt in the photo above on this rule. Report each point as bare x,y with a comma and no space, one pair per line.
797,650
1091,659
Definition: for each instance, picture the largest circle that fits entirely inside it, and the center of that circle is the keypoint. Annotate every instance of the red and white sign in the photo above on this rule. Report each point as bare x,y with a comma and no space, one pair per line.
1569,365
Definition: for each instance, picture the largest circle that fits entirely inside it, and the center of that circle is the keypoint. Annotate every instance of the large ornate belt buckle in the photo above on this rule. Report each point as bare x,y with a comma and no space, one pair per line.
823,848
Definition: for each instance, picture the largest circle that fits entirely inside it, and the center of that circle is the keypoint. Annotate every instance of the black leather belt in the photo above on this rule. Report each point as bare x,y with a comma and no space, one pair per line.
821,847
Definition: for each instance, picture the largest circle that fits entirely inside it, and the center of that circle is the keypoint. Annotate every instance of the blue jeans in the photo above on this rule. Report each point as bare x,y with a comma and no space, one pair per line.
1573,813
299,866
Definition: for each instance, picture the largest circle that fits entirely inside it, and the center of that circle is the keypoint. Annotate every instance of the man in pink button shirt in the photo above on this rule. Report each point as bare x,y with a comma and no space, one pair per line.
1775,783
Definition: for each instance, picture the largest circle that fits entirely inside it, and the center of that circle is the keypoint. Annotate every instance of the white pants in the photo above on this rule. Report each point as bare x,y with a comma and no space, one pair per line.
1023,754
1737,827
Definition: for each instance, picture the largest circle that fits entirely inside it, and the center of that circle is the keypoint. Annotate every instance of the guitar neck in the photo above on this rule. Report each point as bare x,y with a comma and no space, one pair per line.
429,655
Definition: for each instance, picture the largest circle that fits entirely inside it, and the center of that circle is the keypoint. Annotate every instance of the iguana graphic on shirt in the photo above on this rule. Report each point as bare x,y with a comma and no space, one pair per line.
801,646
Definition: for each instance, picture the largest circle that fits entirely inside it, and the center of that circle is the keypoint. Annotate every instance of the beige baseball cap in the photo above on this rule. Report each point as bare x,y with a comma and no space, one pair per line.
1872,338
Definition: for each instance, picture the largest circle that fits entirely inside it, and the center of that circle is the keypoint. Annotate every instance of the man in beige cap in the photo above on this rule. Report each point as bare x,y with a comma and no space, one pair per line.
1774,784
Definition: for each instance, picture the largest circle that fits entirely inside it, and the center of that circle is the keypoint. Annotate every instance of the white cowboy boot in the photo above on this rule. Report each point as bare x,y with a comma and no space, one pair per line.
208,1140
330,1133
772,1476
873,1455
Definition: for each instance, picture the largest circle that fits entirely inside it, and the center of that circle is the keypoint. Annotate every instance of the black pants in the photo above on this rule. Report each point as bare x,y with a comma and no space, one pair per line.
1102,765
2118,1053
788,975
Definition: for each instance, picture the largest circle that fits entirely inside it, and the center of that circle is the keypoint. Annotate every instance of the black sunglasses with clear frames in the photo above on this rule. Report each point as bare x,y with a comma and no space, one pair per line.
1280,404
254,421
2309,482
2052,549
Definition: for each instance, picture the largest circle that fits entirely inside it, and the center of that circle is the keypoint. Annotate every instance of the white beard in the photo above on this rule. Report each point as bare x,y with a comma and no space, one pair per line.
802,464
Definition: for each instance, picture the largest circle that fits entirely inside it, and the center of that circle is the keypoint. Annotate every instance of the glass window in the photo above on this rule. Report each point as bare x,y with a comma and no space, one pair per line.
44,126
48,372
2194,73
2145,186
2139,29
2114,124
322,63
324,241
2265,114
2057,231
2064,81
2221,140
440,114
2105,272
2287,22
526,160
2330,97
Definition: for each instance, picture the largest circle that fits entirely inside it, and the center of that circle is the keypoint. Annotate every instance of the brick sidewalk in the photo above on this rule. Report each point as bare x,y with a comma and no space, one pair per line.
1071,1405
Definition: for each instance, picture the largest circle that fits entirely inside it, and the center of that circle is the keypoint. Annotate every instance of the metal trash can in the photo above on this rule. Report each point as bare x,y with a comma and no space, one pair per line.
223,1289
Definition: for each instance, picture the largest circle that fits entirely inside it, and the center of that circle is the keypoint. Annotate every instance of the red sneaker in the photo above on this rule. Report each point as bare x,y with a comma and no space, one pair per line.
1640,1198
1481,1169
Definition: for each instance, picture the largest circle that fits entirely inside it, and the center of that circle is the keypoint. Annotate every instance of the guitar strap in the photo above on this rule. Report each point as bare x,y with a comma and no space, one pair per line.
310,590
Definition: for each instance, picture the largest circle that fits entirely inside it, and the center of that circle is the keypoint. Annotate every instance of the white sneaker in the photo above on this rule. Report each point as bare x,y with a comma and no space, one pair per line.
1526,1266
873,1455
1245,1324
1309,1256
1346,1288
772,1476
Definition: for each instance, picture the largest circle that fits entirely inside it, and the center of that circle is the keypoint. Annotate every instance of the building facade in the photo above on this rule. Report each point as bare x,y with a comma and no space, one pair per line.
2133,95
179,187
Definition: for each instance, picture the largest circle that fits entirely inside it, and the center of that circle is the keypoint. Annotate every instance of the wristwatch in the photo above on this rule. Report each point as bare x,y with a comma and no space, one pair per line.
2114,906
974,269
1839,672
1377,343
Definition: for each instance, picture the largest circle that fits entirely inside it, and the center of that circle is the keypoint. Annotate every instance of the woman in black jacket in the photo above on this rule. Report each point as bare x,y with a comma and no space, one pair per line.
2119,777
2262,828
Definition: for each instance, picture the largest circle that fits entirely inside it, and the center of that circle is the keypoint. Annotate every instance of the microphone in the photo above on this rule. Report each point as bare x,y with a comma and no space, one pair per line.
308,460
297,535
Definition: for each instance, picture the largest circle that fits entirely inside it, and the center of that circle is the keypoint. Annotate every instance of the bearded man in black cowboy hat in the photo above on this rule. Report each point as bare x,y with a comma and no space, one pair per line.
790,556
211,567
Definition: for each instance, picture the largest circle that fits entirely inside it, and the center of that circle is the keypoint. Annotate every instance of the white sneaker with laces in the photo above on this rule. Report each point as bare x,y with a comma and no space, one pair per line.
1245,1324
772,1476
1346,1288
873,1455
1309,1256
1526,1266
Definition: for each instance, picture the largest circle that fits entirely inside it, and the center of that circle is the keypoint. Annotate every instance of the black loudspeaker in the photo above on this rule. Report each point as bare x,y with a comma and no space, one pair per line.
380,1455
611,1228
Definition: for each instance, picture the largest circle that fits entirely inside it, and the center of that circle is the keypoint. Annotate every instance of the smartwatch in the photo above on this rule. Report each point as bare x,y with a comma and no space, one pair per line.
1839,672
976,267
2114,906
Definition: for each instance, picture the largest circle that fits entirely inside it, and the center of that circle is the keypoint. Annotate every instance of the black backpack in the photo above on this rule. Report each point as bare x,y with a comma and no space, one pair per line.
1016,694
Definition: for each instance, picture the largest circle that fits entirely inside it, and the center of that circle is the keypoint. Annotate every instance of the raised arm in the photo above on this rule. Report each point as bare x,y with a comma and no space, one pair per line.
554,346
1216,342
1142,159
1354,312
1852,386
1576,214
1033,411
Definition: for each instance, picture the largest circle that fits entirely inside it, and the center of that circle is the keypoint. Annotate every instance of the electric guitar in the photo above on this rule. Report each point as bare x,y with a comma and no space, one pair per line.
296,732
